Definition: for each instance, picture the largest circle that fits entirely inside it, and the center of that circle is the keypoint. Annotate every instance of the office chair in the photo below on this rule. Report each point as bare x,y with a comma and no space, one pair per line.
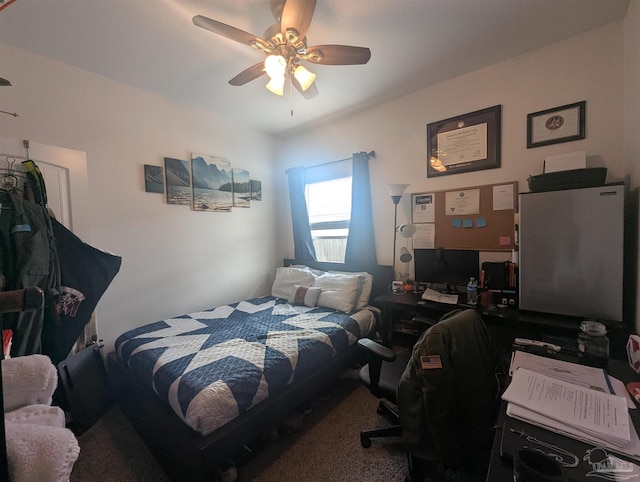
445,392
382,381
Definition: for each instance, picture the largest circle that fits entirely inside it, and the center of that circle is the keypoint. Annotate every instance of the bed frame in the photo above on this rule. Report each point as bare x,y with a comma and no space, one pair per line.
187,455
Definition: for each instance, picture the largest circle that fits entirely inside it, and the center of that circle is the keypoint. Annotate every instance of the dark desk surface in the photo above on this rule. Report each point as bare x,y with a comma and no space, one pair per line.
511,323
495,315
501,468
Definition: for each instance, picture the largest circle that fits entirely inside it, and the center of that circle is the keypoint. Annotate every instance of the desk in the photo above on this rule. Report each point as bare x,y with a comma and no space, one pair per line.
504,325
502,470
396,307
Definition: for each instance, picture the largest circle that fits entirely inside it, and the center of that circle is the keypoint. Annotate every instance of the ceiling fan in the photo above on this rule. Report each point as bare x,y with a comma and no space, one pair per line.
285,44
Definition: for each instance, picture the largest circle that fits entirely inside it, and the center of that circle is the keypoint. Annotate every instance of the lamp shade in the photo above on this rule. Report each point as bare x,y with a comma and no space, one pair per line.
275,66
405,255
396,190
304,77
276,85
406,230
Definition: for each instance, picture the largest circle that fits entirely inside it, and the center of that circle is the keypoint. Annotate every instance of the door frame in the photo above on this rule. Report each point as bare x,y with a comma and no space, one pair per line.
75,162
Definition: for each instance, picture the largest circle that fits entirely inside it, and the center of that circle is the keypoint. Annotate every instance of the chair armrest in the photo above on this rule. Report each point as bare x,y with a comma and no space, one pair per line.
376,349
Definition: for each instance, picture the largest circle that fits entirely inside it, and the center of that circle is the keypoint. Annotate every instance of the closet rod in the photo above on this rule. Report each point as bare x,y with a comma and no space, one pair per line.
368,154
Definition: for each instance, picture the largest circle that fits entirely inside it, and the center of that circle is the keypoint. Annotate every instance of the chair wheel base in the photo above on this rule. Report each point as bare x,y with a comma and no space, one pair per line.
365,441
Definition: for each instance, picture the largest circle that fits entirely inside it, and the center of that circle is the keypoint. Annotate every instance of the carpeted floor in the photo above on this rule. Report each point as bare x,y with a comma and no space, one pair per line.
323,445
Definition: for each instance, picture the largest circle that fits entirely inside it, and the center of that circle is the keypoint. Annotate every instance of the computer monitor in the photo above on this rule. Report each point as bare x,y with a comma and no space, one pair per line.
451,267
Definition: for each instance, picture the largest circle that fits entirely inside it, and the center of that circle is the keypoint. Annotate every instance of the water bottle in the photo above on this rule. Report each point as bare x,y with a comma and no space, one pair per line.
472,291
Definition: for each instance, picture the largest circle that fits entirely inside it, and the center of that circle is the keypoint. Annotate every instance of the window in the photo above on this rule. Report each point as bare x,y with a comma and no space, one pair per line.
329,207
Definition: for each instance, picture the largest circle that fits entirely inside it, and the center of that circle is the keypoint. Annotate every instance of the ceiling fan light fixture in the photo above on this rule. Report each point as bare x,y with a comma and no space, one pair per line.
304,77
276,85
275,66
285,45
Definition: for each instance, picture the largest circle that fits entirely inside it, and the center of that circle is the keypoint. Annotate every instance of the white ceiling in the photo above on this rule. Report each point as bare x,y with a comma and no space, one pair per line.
153,45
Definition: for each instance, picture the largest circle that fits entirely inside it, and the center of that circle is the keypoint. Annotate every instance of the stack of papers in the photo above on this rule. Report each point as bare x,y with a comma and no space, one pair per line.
585,412
433,295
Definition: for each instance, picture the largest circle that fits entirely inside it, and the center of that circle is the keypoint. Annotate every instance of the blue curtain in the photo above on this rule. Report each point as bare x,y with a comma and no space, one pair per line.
361,245
302,242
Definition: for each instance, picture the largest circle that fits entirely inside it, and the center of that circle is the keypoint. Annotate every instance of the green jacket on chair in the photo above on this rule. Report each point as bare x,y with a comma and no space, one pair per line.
447,396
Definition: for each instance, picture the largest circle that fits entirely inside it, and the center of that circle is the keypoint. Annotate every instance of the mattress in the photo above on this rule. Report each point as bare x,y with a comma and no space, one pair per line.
213,365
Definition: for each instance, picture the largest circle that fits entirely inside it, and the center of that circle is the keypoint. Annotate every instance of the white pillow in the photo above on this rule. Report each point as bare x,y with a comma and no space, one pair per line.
317,272
288,278
367,286
304,295
339,291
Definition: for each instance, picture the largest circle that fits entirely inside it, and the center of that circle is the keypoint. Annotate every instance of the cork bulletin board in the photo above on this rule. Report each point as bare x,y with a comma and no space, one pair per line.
476,217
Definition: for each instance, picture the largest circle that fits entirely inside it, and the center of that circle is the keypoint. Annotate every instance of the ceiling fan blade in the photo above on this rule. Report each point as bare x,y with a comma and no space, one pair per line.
337,55
228,31
296,18
248,75
276,8
310,93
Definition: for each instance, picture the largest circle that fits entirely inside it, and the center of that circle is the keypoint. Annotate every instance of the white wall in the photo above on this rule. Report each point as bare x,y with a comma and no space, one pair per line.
175,260
632,109
587,67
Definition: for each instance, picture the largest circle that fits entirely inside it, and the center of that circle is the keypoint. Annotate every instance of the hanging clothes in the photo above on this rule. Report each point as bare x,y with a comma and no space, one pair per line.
28,258
36,250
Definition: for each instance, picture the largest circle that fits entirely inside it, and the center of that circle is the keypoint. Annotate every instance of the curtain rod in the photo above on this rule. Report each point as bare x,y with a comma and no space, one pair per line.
368,154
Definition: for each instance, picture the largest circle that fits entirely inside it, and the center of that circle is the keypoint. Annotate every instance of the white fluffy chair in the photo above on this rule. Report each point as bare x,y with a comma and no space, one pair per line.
39,447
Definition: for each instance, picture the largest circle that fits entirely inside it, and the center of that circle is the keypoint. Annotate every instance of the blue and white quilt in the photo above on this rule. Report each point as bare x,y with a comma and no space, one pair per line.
211,366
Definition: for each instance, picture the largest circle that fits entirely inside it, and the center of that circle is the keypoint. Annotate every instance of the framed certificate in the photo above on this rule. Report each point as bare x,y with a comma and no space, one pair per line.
560,124
465,143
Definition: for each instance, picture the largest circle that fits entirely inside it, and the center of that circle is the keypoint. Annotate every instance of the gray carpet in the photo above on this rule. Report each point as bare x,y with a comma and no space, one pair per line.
323,445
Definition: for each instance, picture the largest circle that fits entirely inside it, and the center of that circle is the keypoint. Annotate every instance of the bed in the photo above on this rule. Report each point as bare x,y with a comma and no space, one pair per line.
199,387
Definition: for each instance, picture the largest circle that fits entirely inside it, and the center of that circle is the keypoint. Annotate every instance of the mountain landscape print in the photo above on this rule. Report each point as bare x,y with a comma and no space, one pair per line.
256,190
212,183
178,181
241,188
153,179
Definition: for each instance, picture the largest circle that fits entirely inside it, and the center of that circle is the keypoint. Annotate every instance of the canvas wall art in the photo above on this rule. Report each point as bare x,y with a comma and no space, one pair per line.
153,179
256,190
212,183
241,188
178,181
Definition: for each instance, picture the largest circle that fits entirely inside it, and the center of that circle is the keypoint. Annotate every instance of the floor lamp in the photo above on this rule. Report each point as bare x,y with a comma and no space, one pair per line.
396,191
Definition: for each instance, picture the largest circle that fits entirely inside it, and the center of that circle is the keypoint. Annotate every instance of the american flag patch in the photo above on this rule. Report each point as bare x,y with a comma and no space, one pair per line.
430,361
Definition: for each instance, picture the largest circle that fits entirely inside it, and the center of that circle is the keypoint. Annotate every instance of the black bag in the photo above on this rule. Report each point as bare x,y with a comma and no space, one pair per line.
84,379
86,273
